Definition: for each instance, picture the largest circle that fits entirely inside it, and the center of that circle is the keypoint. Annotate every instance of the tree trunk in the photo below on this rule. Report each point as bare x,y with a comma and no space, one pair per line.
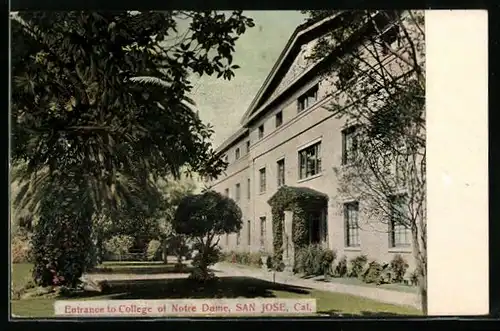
420,255
164,251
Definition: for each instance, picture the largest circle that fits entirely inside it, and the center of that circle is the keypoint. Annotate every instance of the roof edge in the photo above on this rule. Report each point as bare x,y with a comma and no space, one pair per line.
300,30
231,139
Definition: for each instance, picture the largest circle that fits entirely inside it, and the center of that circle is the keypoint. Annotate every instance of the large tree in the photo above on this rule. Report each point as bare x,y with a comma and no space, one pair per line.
378,85
204,218
100,108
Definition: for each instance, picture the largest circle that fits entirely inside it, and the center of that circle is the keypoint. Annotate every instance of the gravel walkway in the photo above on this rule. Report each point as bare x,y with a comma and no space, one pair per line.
381,295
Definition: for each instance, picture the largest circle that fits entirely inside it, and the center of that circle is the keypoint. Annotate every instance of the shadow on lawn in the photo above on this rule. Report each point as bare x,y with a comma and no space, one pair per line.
226,287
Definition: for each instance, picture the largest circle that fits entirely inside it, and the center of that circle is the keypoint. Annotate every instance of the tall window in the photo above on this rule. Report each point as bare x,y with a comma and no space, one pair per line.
248,189
227,239
281,172
279,119
351,211
399,232
237,192
262,177
226,159
310,161
248,146
226,192
349,145
262,231
238,238
261,131
249,233
307,99
237,154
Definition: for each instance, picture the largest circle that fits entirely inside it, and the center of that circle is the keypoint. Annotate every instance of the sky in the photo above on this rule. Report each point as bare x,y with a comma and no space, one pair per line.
222,103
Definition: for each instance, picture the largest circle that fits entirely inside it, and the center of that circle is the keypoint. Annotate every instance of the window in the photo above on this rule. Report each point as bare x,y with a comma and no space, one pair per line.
237,154
262,231
248,189
226,159
279,119
349,145
237,192
351,211
226,192
249,232
307,99
248,147
227,239
238,238
281,172
399,232
310,161
262,176
261,131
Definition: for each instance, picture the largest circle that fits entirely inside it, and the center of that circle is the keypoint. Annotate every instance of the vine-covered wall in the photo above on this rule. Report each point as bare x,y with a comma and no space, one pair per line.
300,201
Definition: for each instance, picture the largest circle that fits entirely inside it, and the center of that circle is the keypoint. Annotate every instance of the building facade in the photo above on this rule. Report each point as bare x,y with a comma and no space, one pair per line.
289,137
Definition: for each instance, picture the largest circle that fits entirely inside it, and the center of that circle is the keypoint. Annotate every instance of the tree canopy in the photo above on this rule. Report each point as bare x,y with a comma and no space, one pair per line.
208,214
104,95
100,112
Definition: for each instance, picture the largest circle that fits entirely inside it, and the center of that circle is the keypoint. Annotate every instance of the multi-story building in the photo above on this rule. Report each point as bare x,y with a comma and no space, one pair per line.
289,137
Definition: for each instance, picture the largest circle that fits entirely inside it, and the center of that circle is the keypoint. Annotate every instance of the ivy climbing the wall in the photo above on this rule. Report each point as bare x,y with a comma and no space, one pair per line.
300,201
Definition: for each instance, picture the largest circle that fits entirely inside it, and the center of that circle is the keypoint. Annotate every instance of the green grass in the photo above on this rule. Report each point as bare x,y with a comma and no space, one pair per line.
333,304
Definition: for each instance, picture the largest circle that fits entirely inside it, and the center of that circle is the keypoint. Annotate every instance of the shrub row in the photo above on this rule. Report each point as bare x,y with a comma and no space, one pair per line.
374,272
315,260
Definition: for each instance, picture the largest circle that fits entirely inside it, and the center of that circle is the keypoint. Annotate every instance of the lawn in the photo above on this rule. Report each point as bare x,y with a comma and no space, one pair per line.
333,304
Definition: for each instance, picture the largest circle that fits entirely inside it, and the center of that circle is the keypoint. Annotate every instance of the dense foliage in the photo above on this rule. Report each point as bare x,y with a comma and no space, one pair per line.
299,200
62,237
204,218
315,260
100,111
119,245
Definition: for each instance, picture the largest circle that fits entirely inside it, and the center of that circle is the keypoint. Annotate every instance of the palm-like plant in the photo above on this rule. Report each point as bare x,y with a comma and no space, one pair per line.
100,107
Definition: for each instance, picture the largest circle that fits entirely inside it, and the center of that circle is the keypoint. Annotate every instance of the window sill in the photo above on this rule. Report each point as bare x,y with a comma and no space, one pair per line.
402,249
262,193
309,178
352,249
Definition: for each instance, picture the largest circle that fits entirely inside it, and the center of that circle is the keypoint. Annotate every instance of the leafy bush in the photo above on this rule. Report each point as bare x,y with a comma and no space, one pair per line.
399,266
341,268
153,250
202,261
328,257
119,245
314,260
20,249
377,273
414,277
62,237
358,265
